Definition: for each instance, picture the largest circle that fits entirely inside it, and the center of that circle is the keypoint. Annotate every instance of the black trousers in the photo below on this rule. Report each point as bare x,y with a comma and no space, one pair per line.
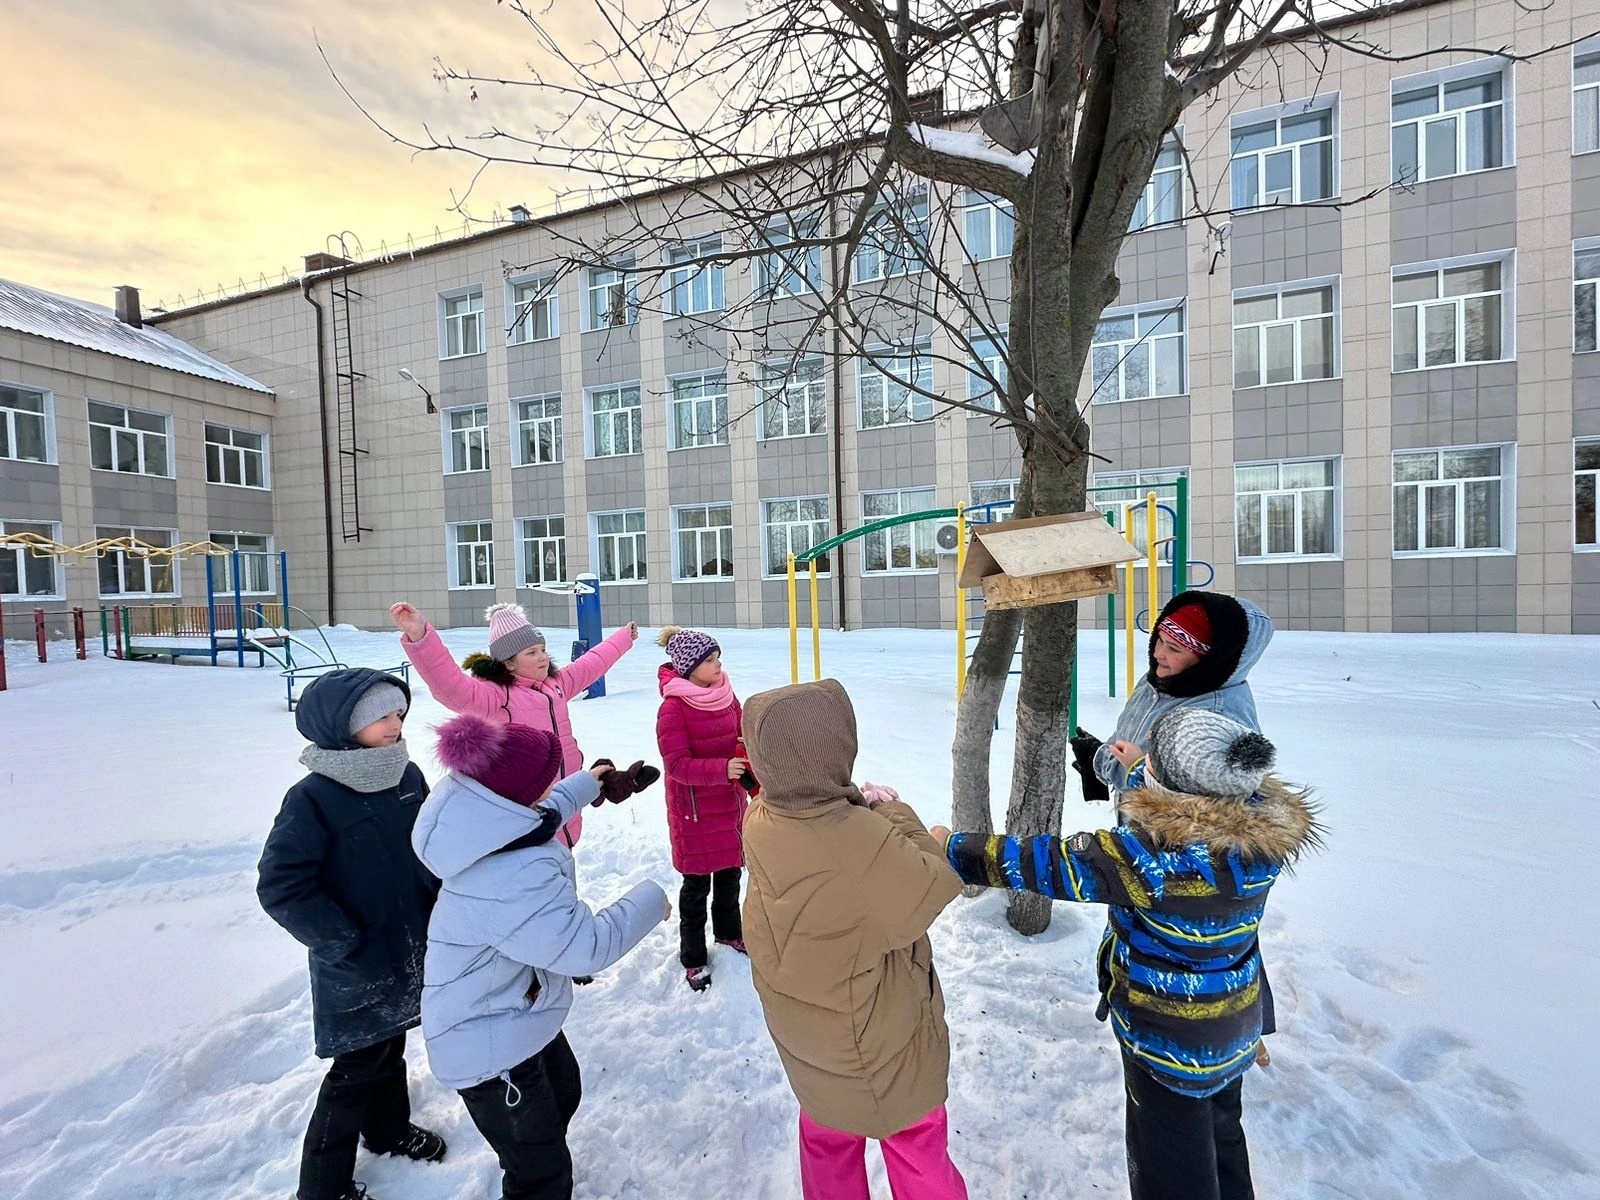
723,889
525,1120
363,1095
1180,1148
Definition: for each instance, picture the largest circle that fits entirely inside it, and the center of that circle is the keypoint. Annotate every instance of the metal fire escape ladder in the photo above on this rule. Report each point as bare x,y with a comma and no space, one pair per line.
346,379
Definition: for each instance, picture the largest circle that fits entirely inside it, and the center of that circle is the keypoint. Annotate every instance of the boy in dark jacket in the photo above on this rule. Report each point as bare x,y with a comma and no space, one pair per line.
338,873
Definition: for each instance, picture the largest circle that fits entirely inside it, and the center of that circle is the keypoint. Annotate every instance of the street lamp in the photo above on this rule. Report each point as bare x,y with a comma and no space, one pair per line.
405,373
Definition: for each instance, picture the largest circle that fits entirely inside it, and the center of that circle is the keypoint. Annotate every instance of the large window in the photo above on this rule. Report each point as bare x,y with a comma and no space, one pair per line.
1447,316
24,573
236,457
1585,473
1444,126
694,283
704,541
1457,500
619,547
1286,509
895,241
790,268
989,225
125,439
794,403
535,310
998,498
1141,353
1161,202
986,367
1285,159
1586,96
700,410
893,387
908,547
472,554
538,430
1125,505
544,551
613,299
461,324
1284,336
255,562
1585,284
616,421
466,432
135,571
793,527
25,424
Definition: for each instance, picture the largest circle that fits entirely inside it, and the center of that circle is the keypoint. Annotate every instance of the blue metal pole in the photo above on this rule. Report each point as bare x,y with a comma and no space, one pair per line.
283,590
238,610
589,628
211,606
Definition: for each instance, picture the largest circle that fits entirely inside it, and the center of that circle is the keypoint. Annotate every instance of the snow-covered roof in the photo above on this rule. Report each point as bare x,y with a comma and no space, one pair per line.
94,327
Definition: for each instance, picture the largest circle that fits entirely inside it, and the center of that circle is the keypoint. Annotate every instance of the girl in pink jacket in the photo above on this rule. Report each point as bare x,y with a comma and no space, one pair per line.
515,683
708,787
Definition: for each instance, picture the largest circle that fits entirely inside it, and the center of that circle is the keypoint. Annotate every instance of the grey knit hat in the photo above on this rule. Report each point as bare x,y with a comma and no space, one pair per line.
509,632
1204,753
376,703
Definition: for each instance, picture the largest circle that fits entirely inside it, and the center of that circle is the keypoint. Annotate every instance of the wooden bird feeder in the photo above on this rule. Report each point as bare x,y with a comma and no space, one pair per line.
1045,560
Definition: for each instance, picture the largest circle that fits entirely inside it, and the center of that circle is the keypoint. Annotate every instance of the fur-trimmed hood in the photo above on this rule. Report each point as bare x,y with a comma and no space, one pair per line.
1277,824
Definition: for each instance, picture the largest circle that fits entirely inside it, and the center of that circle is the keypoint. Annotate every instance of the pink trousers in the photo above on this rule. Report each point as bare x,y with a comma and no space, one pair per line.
833,1164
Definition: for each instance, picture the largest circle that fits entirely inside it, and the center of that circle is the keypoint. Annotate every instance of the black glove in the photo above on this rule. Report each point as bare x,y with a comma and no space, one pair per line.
617,785
1084,746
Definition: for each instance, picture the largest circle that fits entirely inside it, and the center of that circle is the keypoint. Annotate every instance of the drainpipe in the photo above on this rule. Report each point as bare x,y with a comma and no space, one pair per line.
327,466
838,403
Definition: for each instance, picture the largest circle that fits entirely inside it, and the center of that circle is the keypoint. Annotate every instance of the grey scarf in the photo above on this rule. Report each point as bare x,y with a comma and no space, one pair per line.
368,769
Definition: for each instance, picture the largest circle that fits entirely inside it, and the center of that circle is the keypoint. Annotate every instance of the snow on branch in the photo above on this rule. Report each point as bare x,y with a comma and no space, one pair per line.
973,146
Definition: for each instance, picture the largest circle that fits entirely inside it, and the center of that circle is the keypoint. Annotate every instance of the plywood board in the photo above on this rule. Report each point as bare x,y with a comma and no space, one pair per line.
1043,546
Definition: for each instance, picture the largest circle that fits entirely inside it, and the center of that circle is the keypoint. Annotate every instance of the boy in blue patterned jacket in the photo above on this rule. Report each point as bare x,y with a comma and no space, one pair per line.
1205,833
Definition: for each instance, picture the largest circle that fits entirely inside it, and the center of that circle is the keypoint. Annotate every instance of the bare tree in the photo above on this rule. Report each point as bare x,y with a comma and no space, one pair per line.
817,134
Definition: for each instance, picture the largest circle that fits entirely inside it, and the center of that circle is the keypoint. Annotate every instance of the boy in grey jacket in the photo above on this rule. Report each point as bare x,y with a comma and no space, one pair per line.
506,938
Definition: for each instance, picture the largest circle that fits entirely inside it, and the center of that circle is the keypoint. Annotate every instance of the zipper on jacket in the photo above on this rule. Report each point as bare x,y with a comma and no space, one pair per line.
694,806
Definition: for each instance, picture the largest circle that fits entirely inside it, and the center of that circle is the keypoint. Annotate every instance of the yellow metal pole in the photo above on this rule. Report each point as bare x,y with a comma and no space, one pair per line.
1129,620
1152,569
816,626
961,606
794,627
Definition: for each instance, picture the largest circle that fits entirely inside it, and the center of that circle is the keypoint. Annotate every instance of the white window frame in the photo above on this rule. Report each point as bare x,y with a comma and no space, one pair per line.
113,434
1262,501
260,563
1592,474
719,539
525,430
1586,294
888,371
986,354
536,538
1506,260
917,538
1508,503
23,558
468,438
612,414
694,285
527,299
704,397
991,221
1144,346
782,271
1586,95
785,393
10,415
1297,324
896,241
610,292
1439,81
230,452
814,530
1165,183
633,531
481,572
1139,483
1277,117
1004,490
121,558
461,323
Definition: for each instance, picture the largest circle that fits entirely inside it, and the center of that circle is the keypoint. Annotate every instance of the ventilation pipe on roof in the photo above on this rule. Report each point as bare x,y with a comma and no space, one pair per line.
127,306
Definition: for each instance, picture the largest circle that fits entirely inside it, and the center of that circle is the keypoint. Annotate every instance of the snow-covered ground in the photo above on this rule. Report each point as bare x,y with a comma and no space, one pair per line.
1435,967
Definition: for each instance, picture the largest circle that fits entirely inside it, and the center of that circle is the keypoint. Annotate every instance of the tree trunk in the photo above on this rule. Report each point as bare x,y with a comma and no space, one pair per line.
970,810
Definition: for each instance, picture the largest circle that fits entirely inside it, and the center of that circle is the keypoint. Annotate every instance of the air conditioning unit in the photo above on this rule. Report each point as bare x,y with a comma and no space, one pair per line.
947,537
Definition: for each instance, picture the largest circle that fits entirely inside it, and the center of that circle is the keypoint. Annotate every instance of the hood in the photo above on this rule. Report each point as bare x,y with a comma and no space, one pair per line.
323,714
802,744
665,674
1277,824
462,821
1240,632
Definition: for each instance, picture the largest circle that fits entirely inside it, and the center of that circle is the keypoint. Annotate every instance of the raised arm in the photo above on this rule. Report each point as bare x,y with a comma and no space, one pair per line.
577,675
1106,867
452,687
560,933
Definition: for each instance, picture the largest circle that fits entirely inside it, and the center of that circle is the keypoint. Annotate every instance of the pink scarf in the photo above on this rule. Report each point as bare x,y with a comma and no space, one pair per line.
708,699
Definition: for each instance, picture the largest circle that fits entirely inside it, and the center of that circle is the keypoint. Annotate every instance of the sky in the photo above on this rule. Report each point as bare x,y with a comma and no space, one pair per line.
176,145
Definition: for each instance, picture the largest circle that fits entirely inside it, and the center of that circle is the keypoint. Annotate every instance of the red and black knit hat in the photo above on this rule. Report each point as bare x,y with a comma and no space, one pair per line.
513,761
1188,628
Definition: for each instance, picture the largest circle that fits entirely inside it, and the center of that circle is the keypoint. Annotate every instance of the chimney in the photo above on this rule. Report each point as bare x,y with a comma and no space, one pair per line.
127,306
520,214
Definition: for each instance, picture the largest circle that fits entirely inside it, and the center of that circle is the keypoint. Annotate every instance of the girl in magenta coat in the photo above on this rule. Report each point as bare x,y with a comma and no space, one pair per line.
708,786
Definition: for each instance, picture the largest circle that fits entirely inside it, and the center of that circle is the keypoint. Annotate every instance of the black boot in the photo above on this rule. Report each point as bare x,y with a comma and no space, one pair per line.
417,1144
357,1191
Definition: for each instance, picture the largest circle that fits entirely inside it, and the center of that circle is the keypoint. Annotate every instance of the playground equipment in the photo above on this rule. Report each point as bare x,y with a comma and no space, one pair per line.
40,638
